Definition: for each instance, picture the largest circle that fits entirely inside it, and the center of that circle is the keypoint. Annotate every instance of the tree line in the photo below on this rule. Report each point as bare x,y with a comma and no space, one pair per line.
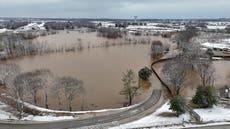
25,86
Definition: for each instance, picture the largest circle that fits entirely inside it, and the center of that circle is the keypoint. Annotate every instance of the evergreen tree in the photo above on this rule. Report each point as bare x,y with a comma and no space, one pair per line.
205,97
177,104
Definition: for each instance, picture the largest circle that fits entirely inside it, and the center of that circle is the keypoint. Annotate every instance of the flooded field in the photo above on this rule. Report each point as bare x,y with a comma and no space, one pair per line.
101,69
221,76
90,39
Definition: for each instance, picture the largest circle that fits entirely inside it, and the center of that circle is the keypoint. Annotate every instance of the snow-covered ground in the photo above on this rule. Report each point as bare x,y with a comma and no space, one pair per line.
29,27
31,106
219,44
76,112
156,120
213,27
217,25
47,118
3,114
152,27
4,30
216,45
105,23
213,116
32,26
9,116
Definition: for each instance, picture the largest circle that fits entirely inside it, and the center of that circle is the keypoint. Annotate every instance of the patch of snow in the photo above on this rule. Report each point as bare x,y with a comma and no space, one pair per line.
105,23
9,116
32,26
156,120
75,112
31,106
214,114
186,126
152,28
217,58
4,30
216,45
212,27
5,115
226,40
47,118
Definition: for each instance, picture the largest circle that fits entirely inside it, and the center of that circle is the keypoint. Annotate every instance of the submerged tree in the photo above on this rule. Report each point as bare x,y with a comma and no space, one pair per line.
157,48
8,71
36,81
72,88
185,36
16,88
206,72
57,90
46,76
145,73
175,72
130,89
20,91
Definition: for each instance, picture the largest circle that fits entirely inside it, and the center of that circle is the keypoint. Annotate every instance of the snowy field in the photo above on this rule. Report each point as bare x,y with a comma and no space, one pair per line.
222,44
217,45
153,27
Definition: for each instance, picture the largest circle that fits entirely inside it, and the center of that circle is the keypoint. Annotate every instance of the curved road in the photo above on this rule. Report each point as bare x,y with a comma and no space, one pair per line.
121,117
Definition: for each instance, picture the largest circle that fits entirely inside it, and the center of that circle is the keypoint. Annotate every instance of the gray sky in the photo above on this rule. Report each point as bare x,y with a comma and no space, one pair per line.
115,8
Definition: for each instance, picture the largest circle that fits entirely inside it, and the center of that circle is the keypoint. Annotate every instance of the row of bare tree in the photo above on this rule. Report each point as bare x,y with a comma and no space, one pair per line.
25,86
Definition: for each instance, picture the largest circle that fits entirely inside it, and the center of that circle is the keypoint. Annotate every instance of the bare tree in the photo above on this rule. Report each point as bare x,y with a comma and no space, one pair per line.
36,81
20,91
175,73
46,78
57,89
185,36
157,48
15,88
7,71
130,89
205,71
111,33
72,88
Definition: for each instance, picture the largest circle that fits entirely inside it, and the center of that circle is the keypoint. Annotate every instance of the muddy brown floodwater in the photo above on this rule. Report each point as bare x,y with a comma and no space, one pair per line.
101,69
221,76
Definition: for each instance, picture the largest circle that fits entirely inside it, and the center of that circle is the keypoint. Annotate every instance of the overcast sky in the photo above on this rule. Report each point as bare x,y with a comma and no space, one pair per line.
115,8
